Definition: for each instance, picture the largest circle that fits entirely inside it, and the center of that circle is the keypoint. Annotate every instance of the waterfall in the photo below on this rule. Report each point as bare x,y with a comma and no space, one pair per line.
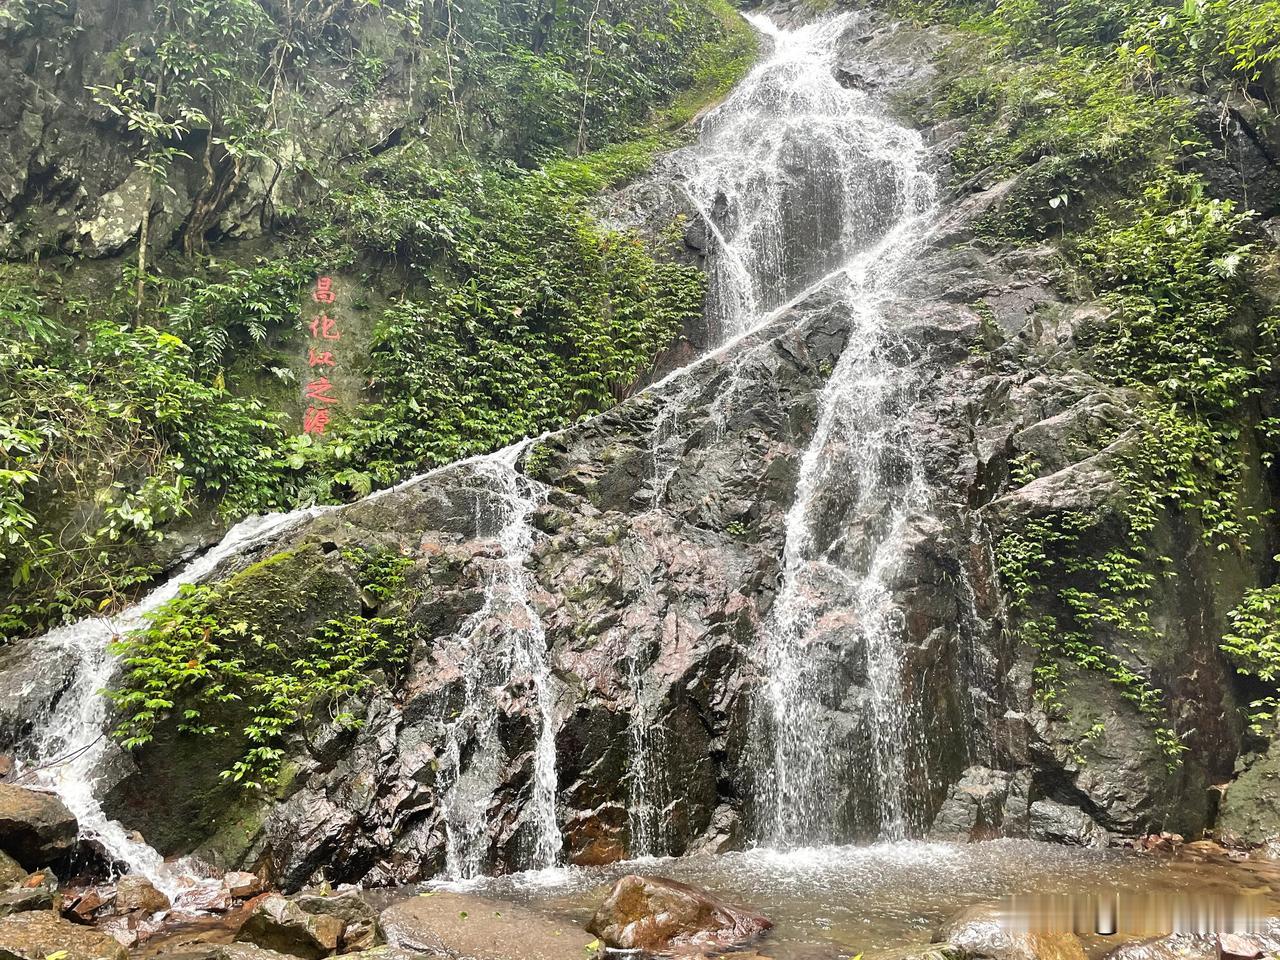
68,744
792,174
807,184
504,649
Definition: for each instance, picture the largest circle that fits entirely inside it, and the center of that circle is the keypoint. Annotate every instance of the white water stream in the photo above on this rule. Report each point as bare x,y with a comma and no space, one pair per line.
504,658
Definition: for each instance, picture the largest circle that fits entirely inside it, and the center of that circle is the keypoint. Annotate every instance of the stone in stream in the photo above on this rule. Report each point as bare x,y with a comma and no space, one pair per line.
460,925
1185,946
134,892
655,914
35,828
37,935
277,923
359,919
977,934
242,885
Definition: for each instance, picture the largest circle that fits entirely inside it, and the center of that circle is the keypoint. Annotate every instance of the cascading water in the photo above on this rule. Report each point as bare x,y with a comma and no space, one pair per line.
805,184
793,175
66,749
504,648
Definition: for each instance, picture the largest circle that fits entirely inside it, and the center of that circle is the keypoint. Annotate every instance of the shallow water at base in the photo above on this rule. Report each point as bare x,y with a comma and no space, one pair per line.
837,902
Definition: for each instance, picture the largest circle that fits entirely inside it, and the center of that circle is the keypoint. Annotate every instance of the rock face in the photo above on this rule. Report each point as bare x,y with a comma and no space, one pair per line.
35,828
656,915
39,935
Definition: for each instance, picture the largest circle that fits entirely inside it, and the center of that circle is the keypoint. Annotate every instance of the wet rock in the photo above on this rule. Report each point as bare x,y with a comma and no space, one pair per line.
978,934
277,923
205,896
84,904
655,914
37,935
458,925
1224,946
39,891
242,885
35,828
359,919
1249,814
975,808
135,892
1059,823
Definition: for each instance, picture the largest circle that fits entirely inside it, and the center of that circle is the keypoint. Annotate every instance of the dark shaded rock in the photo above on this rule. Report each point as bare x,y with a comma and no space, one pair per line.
42,895
975,808
977,933
456,925
654,914
1249,812
277,923
37,935
1059,823
35,828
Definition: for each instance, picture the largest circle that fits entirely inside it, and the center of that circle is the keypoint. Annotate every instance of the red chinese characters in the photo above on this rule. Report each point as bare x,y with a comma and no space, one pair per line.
319,391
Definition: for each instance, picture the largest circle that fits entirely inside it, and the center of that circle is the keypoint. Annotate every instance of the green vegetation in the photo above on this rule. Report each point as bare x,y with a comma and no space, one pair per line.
134,395
1086,106
210,660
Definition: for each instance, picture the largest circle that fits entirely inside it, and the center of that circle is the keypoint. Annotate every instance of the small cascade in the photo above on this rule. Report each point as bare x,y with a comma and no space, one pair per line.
68,745
504,653
649,788
792,174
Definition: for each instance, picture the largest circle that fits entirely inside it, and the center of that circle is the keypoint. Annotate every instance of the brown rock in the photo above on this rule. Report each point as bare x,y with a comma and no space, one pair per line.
243,885
660,915
205,896
978,932
134,892
11,871
34,936
35,828
459,925
89,901
277,923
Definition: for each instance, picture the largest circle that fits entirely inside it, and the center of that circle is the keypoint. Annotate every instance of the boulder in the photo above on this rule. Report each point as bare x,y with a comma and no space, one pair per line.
11,871
277,923
975,808
243,885
37,935
1059,823
977,933
35,828
359,919
135,892
655,914
460,925
1225,946
36,892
